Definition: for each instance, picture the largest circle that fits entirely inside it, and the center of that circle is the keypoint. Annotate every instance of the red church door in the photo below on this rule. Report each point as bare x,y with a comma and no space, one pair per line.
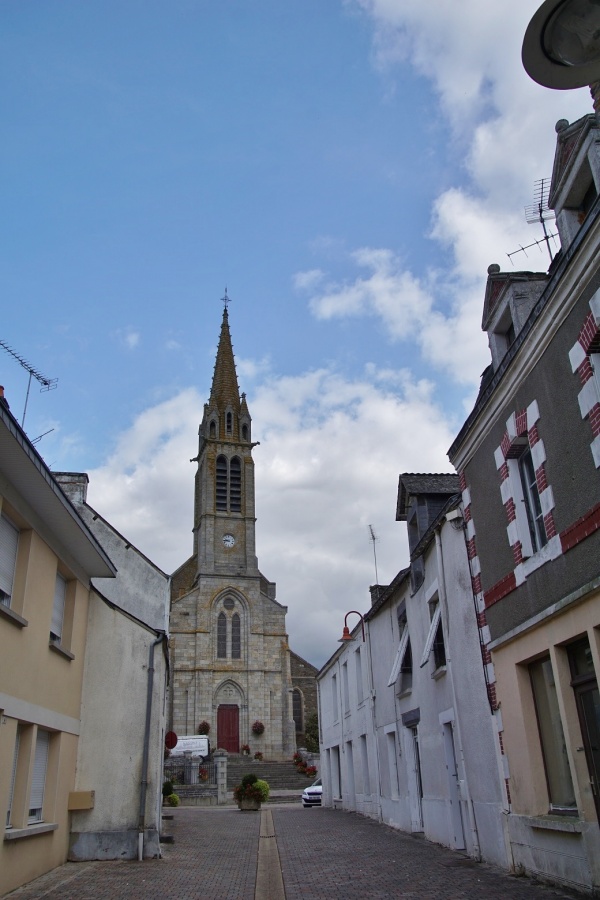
228,727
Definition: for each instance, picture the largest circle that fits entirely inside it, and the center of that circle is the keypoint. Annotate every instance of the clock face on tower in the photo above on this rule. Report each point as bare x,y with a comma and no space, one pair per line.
228,540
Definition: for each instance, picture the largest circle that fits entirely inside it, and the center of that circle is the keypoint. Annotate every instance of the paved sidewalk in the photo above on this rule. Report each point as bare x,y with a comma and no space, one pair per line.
322,853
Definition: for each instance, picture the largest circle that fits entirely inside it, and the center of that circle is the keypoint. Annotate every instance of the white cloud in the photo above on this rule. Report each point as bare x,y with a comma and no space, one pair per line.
306,281
328,463
128,337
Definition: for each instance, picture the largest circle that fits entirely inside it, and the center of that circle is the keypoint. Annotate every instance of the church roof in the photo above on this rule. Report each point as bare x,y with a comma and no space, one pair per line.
225,390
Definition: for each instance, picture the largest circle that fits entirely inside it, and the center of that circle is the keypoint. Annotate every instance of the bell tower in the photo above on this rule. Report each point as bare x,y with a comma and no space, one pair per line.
224,507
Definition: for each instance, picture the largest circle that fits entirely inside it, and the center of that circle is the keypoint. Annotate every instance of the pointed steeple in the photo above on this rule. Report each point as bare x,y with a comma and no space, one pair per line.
225,392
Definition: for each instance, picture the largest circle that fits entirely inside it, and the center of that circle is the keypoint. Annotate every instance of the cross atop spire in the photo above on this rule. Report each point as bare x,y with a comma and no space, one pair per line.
226,299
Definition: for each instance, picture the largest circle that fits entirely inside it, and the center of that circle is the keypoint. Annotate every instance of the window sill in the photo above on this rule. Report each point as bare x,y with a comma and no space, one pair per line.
556,823
439,672
58,648
15,834
12,616
405,693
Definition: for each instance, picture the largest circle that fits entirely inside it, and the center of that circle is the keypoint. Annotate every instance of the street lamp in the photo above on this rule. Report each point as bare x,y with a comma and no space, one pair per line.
561,48
346,636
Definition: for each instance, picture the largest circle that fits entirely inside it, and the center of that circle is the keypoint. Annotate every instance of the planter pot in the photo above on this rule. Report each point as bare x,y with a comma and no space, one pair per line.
248,804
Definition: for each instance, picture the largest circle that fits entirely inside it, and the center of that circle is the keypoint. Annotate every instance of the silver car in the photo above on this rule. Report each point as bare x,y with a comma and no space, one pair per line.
312,795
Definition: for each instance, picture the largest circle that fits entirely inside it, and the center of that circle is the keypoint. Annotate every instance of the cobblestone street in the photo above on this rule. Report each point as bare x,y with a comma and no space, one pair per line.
322,853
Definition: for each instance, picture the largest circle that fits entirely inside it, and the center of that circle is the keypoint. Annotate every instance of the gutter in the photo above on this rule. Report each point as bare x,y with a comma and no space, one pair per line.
144,780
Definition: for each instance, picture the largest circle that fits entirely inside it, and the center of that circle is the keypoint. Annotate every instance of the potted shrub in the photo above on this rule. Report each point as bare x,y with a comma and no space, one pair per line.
263,786
257,727
258,755
173,799
245,748
247,794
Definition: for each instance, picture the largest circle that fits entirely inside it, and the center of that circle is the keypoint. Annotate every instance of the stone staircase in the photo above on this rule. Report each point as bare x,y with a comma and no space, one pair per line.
280,776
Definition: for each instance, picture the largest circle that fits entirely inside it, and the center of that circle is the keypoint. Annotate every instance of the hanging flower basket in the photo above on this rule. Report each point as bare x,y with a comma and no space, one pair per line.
204,727
257,727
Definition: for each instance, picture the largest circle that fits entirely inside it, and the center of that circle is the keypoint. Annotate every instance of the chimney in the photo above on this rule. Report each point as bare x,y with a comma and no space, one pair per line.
3,399
74,484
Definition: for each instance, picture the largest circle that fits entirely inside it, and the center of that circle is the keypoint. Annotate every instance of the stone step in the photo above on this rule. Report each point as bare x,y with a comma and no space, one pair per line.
279,775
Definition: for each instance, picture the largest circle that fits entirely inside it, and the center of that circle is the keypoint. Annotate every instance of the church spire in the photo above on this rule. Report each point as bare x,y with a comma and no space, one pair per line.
226,416
225,392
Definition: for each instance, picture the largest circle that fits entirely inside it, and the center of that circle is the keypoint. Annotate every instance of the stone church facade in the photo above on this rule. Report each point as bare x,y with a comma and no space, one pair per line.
230,658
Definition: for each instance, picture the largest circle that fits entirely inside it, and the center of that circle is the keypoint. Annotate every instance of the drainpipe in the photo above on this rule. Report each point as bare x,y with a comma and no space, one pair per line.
144,780
444,606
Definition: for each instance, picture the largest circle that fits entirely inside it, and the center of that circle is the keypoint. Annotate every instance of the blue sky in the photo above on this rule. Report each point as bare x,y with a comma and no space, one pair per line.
347,169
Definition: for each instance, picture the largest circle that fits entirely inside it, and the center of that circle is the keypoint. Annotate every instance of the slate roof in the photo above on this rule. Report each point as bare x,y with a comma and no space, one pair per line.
410,484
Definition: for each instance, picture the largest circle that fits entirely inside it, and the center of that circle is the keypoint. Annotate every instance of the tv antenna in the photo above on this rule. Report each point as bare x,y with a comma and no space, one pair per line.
538,211
374,539
48,384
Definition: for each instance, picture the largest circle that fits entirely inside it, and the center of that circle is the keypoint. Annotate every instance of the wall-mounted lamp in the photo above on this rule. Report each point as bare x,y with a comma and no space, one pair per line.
561,48
346,636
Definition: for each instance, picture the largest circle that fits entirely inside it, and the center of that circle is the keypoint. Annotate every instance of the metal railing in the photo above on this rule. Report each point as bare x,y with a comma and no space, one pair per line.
185,770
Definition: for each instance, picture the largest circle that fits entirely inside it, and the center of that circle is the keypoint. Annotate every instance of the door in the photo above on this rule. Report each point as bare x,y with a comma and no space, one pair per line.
456,821
585,686
228,727
415,787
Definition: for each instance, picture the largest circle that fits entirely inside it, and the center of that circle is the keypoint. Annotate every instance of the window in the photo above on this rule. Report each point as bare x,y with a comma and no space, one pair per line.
552,739
345,688
235,485
435,638
406,670
9,542
392,764
228,484
236,637
13,776
38,781
221,483
212,430
245,433
401,652
360,692
58,609
228,423
334,698
531,498
297,709
222,636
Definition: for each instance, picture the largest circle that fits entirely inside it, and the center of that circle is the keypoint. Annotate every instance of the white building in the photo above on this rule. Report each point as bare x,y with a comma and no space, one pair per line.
419,749
123,705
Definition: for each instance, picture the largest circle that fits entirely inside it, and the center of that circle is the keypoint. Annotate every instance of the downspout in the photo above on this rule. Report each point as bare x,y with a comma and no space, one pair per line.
372,700
444,605
145,755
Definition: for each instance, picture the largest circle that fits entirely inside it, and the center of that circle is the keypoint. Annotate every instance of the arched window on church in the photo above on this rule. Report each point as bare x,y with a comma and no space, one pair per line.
245,433
212,429
297,709
229,423
222,636
236,637
235,485
221,483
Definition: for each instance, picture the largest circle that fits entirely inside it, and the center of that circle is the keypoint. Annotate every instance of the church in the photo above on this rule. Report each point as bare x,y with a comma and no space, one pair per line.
231,665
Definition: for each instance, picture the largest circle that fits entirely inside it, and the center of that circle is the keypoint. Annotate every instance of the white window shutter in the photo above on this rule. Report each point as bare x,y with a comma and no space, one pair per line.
58,610
9,542
431,636
399,657
38,781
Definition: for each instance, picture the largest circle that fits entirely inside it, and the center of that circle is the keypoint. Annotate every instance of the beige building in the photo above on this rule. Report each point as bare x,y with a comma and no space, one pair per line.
230,658
47,558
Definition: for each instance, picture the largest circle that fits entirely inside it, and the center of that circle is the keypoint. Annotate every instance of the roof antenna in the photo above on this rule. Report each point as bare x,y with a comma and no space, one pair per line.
539,211
48,384
374,539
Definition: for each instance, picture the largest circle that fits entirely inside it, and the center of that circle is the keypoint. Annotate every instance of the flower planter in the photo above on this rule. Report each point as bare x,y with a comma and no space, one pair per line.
248,803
